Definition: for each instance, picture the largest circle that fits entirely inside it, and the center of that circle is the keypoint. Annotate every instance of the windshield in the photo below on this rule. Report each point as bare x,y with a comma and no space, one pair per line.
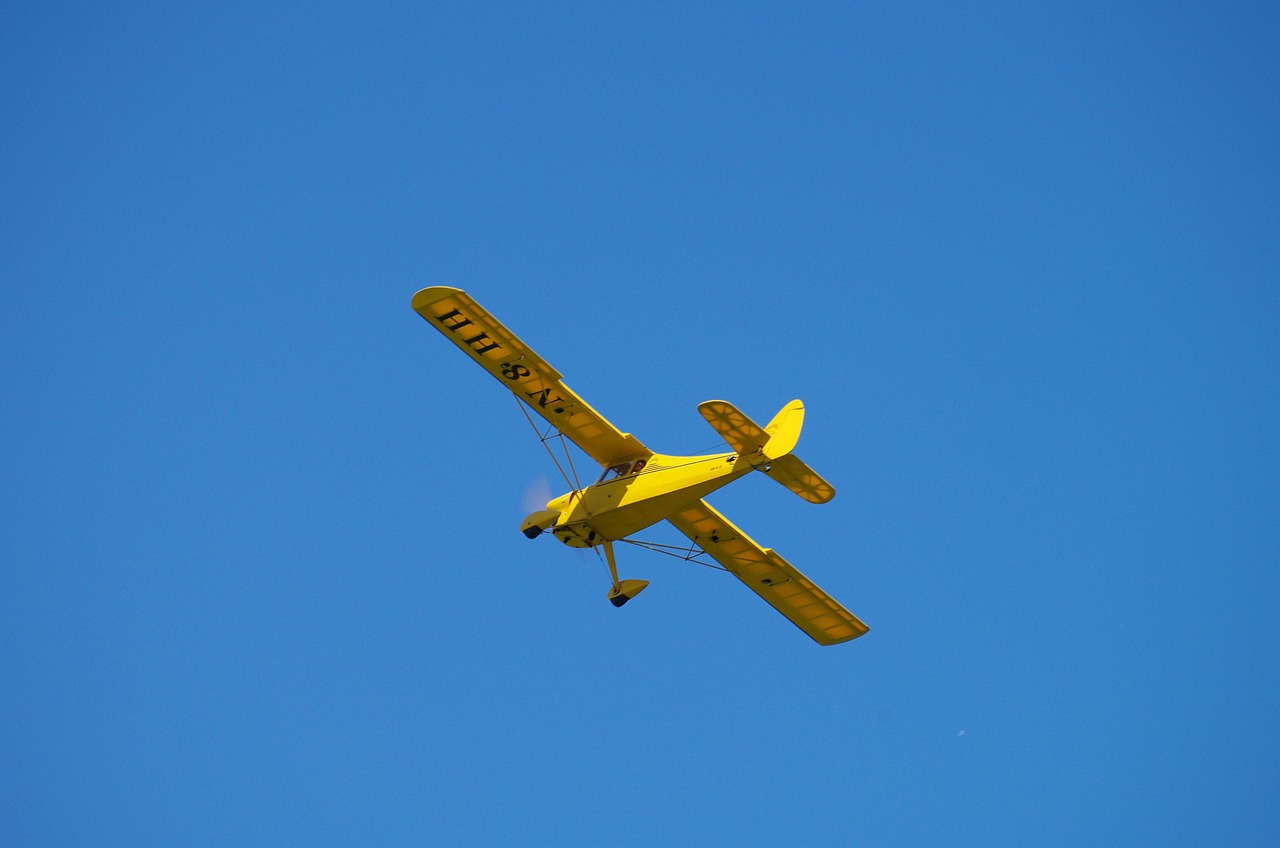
613,472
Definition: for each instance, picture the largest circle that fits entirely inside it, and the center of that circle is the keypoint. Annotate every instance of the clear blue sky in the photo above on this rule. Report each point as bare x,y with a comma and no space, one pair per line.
261,580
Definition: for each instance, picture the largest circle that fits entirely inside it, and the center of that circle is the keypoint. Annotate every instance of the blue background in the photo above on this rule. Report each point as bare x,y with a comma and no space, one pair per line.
260,574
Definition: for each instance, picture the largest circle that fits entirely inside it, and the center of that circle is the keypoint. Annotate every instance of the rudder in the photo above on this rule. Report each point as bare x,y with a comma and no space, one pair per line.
784,431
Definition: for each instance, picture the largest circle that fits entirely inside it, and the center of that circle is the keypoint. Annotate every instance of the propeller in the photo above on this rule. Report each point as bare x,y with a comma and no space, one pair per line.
536,494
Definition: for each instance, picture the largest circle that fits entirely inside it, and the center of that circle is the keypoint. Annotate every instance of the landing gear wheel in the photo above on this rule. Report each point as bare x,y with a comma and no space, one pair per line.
625,591
622,590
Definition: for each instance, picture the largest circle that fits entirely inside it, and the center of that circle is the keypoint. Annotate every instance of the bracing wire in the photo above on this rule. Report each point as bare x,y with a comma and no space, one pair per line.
577,485
600,556
692,554
547,436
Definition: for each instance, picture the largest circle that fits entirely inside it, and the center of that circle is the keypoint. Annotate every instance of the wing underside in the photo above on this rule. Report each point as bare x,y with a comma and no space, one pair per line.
482,337
770,576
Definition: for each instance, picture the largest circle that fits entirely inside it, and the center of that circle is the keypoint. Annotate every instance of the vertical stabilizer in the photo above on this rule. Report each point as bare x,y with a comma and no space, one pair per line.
784,430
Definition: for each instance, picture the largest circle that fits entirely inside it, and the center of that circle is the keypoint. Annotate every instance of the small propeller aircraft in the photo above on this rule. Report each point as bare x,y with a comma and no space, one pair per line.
640,488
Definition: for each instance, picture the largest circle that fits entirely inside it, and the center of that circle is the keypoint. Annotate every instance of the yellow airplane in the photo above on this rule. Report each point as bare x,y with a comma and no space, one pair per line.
639,488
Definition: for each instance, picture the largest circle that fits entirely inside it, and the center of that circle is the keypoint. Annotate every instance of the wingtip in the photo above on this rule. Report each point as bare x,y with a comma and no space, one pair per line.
424,297
859,629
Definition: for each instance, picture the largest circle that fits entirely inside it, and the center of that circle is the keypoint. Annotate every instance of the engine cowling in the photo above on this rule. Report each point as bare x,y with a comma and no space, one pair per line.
538,523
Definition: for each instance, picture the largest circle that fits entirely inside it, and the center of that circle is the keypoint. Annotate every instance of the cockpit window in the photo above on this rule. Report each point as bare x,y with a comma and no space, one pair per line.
613,472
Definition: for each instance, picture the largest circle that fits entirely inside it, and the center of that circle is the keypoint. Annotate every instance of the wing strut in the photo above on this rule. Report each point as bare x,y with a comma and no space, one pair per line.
546,437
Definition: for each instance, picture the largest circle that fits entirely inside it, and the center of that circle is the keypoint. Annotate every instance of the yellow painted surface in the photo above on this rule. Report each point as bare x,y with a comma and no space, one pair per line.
625,505
784,430
740,432
792,472
770,576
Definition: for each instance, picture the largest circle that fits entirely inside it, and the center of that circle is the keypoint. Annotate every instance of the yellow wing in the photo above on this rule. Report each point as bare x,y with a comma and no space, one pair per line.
532,380
769,576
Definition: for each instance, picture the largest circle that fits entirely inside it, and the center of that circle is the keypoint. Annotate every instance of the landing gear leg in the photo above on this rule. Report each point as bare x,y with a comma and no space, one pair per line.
622,590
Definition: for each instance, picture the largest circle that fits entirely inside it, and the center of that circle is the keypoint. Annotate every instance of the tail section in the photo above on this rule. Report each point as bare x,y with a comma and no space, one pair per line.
769,448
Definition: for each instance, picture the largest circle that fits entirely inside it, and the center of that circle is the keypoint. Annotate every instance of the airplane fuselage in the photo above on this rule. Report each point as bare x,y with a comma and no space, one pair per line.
617,507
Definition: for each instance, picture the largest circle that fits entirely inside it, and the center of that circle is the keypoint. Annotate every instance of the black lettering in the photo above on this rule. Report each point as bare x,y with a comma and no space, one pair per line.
476,342
542,398
454,320
514,372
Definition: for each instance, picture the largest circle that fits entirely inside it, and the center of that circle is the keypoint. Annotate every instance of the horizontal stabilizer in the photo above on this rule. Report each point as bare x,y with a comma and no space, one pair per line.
743,435
792,472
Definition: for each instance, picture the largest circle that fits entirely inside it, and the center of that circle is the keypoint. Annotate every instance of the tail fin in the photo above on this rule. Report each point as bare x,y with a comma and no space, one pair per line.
770,447
784,430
